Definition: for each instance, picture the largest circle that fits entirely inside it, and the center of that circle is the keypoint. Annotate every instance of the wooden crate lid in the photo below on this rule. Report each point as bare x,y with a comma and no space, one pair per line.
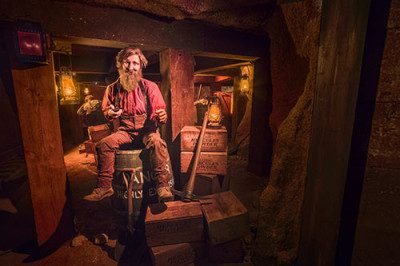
197,129
174,210
223,205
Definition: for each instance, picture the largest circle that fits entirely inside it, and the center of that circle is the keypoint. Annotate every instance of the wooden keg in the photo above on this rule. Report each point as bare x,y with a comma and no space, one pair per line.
144,186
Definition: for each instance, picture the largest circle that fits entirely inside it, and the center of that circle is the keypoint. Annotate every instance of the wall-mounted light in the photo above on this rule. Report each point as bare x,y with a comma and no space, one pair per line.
29,43
244,83
69,93
86,91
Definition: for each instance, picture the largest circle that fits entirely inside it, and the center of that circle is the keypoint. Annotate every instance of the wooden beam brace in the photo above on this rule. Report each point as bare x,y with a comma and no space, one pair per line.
214,69
336,92
41,135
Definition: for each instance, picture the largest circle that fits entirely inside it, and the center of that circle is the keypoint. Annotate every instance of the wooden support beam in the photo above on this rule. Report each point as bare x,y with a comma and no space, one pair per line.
214,69
261,140
41,135
243,129
226,56
177,87
337,83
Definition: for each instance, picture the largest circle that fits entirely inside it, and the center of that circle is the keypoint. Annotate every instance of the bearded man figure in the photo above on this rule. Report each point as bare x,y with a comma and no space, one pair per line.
139,105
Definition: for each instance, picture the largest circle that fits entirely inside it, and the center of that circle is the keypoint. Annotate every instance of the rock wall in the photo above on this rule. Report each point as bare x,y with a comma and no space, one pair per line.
280,203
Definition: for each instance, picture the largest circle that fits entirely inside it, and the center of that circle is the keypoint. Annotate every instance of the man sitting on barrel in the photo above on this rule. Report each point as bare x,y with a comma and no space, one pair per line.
139,105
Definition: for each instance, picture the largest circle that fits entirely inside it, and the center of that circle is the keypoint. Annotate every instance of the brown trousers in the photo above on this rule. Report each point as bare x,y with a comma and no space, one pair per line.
153,142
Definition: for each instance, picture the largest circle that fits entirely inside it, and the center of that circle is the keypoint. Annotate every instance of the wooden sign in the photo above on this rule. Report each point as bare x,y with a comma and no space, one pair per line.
173,222
177,254
209,162
214,139
226,217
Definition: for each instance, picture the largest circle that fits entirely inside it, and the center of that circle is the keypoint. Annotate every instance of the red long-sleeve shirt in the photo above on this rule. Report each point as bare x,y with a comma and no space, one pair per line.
132,103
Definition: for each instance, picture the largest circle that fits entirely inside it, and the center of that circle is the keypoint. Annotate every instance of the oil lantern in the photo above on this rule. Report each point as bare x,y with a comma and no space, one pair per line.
214,112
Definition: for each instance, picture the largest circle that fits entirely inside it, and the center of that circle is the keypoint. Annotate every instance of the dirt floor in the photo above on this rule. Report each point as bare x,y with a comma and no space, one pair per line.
95,221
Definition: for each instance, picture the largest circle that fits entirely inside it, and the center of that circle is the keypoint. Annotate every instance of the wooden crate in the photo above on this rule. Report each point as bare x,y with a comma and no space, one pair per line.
98,132
209,162
229,252
214,139
90,147
174,222
177,254
226,217
204,184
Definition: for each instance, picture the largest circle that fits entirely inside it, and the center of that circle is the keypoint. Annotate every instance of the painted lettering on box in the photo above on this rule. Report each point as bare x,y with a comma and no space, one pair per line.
182,258
207,142
172,227
208,165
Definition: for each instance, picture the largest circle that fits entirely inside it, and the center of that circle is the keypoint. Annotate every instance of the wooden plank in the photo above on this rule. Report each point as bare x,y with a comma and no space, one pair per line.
226,217
176,67
208,70
41,135
261,140
337,83
173,222
177,88
214,139
359,216
177,254
209,162
226,56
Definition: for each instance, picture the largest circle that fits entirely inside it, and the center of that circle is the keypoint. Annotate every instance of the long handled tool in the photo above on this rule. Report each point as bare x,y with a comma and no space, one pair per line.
124,238
187,194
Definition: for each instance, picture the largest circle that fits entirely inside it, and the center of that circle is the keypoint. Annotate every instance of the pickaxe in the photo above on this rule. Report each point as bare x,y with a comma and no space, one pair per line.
187,193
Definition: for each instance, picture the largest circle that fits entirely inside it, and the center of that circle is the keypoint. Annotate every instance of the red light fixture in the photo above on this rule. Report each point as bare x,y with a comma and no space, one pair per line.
29,42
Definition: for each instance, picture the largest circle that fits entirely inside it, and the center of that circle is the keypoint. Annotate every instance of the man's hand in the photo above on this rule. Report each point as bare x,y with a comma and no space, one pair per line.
161,115
114,114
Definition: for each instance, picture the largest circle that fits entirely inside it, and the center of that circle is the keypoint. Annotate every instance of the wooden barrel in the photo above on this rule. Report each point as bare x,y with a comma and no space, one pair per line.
143,192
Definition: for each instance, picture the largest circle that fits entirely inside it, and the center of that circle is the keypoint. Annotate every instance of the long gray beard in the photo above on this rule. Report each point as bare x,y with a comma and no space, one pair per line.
129,81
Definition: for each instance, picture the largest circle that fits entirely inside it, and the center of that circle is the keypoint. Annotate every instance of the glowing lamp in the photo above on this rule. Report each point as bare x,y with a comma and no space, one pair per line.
214,112
69,93
244,88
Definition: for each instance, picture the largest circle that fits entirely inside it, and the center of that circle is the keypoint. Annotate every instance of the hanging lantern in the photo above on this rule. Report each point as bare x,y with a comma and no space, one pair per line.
86,91
69,93
214,112
244,84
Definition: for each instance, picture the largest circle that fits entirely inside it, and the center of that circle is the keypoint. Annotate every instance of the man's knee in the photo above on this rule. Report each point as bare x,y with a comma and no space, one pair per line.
154,141
107,143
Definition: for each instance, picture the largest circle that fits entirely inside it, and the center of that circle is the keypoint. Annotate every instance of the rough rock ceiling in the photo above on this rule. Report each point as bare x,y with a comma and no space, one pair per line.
250,15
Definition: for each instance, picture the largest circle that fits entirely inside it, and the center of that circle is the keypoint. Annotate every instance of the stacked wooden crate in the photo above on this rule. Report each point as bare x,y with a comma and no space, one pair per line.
96,133
211,170
180,233
227,222
175,233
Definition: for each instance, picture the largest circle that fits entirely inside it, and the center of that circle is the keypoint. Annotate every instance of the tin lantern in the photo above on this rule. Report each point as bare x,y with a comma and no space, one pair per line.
214,112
